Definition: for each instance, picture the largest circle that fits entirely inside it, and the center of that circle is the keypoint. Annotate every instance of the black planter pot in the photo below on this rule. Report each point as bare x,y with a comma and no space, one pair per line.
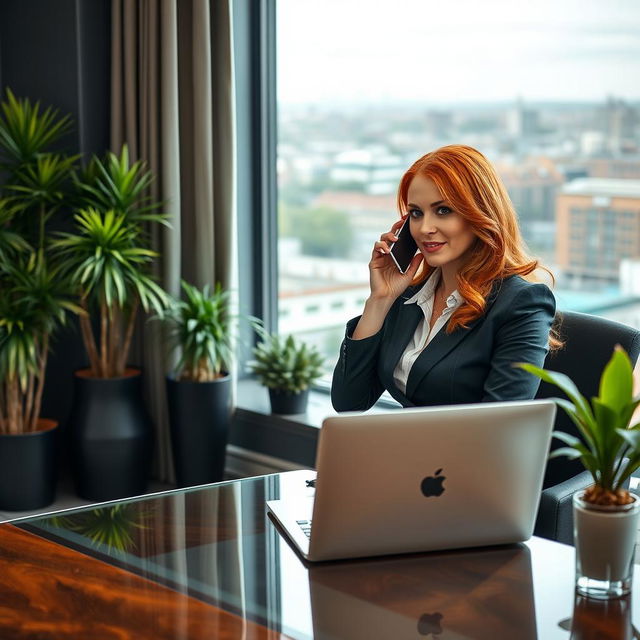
111,437
28,468
287,403
199,419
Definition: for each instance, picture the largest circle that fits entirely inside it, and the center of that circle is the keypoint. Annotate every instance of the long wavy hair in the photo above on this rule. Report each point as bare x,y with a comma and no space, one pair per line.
473,189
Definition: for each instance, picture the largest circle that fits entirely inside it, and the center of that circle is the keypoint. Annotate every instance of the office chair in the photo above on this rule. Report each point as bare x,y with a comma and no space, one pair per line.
588,346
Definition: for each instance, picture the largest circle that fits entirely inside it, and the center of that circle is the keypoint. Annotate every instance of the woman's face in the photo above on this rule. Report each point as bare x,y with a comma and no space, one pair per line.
442,235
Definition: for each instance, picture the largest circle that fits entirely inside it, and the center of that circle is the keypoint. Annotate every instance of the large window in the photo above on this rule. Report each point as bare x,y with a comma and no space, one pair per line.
549,91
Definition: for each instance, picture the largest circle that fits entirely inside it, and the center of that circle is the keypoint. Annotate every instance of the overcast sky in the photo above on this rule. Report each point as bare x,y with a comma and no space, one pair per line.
439,51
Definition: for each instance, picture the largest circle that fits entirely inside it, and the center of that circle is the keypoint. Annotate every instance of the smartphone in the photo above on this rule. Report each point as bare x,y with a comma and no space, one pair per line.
405,248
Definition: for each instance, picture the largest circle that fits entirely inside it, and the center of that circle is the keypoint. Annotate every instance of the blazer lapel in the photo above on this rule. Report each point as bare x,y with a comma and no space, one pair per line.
441,345
402,330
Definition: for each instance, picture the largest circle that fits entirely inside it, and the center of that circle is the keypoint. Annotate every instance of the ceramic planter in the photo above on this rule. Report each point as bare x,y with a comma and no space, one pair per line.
605,538
199,419
287,403
28,468
111,437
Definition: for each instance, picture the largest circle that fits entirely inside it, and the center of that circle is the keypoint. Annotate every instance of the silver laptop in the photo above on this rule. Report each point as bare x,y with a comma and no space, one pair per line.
423,479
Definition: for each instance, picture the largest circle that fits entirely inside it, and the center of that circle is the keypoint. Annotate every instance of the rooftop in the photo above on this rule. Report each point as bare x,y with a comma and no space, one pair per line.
596,302
610,187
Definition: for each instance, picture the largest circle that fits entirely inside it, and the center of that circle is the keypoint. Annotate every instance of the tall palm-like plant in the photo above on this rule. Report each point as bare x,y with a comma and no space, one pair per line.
108,257
34,295
114,183
11,243
34,301
26,131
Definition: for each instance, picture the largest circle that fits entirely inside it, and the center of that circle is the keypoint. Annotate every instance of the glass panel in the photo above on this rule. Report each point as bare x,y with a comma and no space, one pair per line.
218,545
549,91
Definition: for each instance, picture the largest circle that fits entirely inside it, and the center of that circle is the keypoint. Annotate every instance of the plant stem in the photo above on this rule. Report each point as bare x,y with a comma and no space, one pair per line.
41,240
28,405
114,339
104,326
42,360
128,336
88,338
3,406
12,404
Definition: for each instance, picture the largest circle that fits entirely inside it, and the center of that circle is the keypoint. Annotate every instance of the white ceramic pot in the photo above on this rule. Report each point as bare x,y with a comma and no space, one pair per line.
605,540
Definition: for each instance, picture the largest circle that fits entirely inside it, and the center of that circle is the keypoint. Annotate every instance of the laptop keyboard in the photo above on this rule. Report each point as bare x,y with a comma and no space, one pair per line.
305,525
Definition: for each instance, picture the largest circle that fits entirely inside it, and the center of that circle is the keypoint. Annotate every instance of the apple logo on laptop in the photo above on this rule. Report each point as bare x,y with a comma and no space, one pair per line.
432,485
429,624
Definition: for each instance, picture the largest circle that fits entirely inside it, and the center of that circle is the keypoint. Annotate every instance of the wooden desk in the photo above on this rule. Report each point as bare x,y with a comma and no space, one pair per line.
209,563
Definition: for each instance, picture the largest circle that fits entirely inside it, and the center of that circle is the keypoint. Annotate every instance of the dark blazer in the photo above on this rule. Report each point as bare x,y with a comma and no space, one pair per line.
465,366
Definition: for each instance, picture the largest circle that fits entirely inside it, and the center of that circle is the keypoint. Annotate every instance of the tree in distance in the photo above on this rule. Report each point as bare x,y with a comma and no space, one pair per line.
324,232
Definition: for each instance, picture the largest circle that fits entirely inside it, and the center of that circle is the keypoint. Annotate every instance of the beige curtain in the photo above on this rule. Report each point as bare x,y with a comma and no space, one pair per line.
172,103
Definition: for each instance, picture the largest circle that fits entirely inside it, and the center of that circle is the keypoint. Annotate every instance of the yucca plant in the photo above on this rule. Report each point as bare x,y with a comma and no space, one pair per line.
26,131
202,329
34,301
609,447
37,178
107,260
34,294
11,243
113,183
286,364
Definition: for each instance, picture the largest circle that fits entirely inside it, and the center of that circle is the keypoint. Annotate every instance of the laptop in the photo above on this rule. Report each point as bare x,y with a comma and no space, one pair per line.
422,480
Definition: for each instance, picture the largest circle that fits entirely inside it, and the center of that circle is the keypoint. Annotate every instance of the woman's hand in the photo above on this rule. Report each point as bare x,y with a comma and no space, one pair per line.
385,279
386,283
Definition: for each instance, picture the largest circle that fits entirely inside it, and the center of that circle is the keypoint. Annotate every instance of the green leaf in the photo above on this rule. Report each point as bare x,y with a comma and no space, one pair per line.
569,452
632,436
585,428
565,384
616,382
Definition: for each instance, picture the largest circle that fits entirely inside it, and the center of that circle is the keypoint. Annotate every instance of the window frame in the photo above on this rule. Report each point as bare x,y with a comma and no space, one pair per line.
254,48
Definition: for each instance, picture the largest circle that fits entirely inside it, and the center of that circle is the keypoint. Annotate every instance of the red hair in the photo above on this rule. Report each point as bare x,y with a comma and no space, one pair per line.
471,186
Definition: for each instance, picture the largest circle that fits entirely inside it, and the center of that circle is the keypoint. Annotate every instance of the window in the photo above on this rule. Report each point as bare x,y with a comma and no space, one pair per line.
549,91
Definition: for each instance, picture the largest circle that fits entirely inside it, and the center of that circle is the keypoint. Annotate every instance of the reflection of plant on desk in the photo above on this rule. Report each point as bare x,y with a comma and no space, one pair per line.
111,527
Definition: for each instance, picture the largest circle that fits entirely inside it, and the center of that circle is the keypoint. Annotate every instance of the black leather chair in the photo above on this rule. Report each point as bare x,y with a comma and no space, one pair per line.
589,342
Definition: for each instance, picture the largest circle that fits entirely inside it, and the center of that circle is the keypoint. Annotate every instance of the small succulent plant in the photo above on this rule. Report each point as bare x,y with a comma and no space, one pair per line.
285,363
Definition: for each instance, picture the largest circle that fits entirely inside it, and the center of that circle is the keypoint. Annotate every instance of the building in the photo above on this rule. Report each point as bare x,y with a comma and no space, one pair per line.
522,121
621,123
374,170
627,166
533,187
598,225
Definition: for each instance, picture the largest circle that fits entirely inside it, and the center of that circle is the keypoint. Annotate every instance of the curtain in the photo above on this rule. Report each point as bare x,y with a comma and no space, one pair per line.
172,103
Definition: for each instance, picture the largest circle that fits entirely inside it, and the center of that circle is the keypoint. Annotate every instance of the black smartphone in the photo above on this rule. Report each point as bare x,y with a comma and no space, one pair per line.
405,248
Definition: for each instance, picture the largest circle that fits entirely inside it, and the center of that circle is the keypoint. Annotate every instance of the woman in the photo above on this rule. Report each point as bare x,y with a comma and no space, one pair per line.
449,329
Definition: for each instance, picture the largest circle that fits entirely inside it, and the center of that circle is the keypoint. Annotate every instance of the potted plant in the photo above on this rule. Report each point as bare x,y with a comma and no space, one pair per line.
605,514
108,258
201,330
35,297
287,367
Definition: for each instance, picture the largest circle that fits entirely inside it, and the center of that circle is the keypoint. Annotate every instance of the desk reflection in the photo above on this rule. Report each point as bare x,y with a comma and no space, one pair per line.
450,596
597,619
218,553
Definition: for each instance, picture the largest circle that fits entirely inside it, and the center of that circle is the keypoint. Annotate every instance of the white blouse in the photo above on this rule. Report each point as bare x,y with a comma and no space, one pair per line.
423,333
